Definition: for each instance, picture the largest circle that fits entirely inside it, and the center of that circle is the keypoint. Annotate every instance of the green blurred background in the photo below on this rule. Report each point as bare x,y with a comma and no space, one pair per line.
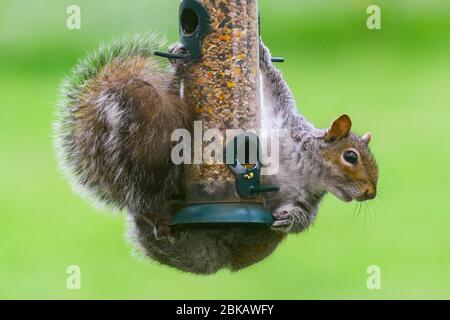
394,82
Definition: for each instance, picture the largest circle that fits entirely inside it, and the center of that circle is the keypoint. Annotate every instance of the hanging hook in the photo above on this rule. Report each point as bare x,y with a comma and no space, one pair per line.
277,59
169,55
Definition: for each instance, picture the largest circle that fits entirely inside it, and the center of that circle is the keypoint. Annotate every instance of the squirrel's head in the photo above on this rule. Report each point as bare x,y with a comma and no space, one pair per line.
351,172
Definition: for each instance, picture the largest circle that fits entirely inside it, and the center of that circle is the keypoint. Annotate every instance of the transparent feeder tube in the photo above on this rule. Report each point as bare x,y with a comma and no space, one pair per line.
223,89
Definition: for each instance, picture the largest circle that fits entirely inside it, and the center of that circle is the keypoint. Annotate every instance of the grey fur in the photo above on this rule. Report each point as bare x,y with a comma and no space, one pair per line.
305,175
111,172
295,206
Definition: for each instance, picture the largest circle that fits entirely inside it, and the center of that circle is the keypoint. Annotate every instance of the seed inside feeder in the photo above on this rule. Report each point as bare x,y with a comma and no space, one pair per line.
223,88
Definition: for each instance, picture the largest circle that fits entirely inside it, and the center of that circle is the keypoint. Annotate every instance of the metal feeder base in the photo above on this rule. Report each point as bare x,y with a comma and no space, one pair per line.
217,213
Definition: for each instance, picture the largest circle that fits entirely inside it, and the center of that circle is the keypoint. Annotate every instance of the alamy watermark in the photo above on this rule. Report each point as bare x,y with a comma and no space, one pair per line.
73,21
73,281
374,279
374,19
211,146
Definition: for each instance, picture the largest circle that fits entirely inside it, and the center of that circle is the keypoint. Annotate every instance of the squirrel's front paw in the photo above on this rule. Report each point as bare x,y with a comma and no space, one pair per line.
264,55
290,220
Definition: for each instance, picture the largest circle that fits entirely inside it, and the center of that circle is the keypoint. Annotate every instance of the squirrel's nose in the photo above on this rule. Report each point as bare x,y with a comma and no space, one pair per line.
370,193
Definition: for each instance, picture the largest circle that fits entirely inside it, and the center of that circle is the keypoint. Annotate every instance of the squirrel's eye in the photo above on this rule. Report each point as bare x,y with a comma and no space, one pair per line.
350,157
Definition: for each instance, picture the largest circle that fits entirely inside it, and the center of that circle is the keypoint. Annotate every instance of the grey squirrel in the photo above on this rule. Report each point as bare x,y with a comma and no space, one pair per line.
118,110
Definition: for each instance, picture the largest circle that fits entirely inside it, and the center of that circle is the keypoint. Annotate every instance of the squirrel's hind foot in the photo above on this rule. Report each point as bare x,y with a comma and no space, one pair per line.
159,225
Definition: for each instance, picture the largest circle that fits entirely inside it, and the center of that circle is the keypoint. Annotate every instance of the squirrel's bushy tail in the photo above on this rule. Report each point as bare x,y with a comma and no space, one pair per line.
115,120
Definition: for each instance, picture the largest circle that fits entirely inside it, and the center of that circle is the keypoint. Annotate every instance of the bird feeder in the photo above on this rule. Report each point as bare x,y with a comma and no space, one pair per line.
222,85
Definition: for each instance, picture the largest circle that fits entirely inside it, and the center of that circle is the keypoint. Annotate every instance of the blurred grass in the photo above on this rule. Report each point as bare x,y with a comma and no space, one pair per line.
394,82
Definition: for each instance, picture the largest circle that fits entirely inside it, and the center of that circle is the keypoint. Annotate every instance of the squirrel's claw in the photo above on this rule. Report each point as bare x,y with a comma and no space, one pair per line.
283,222
282,226
161,227
177,64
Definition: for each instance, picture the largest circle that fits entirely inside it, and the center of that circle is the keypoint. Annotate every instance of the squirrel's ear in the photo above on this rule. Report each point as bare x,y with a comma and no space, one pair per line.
367,137
339,129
